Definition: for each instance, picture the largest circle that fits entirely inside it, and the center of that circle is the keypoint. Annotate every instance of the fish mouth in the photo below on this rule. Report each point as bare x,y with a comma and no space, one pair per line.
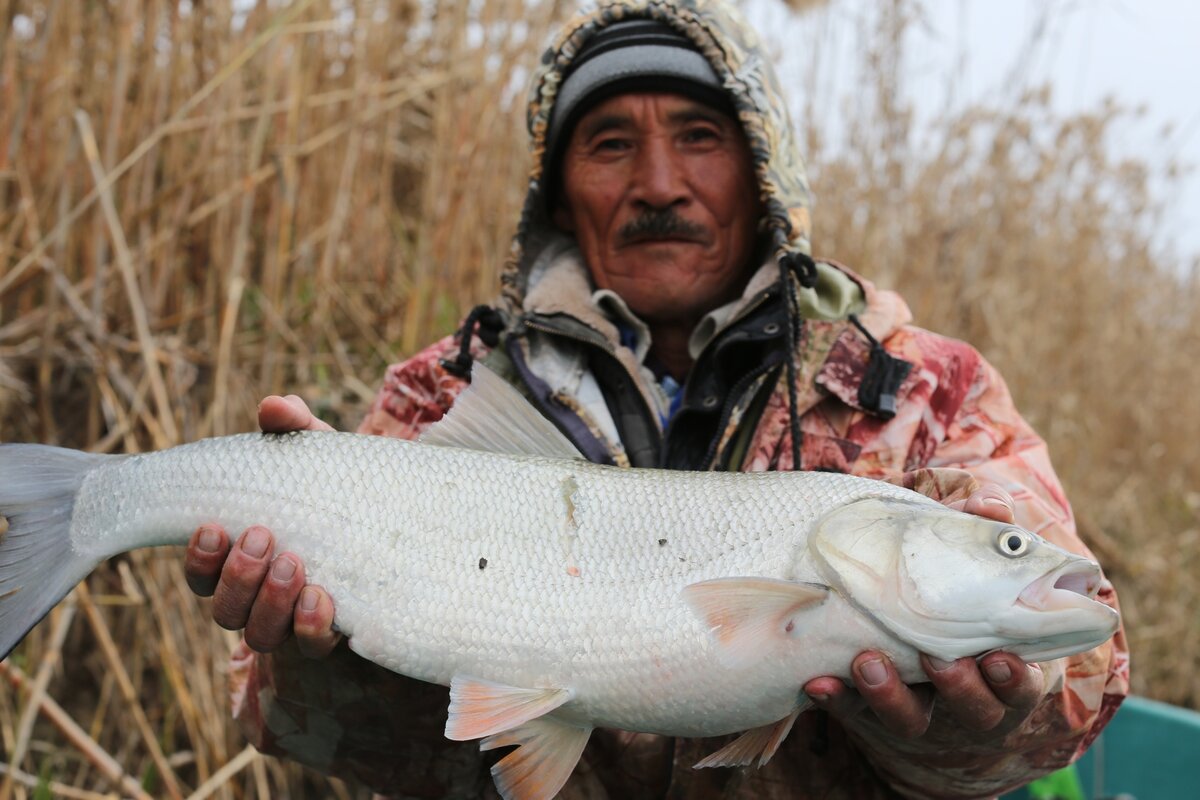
1063,587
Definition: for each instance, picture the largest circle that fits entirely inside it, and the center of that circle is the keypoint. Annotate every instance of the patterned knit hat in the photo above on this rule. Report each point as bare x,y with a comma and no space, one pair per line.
641,55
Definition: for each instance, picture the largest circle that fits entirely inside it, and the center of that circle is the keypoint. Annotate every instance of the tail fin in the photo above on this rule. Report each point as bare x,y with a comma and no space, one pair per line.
38,566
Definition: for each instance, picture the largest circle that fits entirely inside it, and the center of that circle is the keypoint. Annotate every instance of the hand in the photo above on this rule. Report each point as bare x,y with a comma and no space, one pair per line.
993,696
251,590
989,500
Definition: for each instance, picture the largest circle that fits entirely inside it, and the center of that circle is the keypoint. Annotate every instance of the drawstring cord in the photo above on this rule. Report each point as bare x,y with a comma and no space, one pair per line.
805,270
483,321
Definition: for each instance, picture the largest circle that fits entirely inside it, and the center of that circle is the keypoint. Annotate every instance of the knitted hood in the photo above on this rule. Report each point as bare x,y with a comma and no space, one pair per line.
733,50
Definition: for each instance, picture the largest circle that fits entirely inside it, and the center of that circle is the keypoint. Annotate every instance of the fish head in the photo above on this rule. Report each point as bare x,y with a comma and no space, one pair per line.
953,584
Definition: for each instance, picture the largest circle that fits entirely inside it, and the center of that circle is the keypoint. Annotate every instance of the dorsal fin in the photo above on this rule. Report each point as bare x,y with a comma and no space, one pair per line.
492,416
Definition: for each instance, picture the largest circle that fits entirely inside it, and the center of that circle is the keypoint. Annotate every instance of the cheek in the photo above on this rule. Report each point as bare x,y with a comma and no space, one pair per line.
593,195
734,201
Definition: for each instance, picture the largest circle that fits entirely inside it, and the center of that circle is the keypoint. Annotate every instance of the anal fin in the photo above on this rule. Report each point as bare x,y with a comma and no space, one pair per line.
480,708
548,750
760,743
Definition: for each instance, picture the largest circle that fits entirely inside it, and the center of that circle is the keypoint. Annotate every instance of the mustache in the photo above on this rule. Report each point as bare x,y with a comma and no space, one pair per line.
660,224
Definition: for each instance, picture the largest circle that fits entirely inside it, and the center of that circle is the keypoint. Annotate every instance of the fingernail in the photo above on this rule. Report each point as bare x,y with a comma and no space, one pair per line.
994,501
209,540
308,599
873,672
819,699
939,665
283,570
998,672
255,543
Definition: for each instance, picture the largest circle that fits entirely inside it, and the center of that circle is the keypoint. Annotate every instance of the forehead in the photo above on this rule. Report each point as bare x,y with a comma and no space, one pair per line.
632,109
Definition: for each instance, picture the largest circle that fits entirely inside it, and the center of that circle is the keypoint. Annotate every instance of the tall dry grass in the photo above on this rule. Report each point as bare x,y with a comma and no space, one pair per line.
200,205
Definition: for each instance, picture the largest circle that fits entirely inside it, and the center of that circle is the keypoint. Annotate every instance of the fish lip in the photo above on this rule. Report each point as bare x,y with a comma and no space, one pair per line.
1066,583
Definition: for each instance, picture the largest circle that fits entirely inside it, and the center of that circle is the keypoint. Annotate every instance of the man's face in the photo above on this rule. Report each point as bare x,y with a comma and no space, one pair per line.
659,190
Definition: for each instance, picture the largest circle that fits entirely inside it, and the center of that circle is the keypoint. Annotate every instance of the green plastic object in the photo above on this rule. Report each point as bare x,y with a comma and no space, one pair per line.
1061,785
1149,751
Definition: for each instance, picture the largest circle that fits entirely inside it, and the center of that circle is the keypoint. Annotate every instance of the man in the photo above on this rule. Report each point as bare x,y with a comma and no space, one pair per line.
662,310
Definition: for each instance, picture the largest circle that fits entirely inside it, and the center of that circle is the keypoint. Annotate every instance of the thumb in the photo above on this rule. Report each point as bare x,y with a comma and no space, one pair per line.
284,414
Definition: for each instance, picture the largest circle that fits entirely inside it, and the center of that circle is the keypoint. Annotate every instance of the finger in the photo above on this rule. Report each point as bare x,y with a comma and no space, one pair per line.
241,578
206,554
283,414
903,709
313,623
270,621
964,693
991,501
833,695
1018,685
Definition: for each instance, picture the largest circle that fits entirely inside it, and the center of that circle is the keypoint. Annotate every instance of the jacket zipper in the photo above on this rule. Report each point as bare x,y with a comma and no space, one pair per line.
735,392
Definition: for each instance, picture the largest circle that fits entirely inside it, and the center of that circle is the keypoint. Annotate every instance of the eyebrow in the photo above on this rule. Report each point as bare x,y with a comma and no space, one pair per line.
604,123
610,122
700,113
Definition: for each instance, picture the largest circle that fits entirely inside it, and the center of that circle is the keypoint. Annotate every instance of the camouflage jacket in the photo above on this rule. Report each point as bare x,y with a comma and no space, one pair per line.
955,422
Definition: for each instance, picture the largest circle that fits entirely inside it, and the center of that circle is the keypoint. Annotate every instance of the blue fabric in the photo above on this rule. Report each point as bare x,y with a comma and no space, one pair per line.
674,393
671,387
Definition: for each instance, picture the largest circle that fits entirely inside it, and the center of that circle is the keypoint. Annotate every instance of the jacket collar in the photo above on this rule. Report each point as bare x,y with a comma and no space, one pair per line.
837,361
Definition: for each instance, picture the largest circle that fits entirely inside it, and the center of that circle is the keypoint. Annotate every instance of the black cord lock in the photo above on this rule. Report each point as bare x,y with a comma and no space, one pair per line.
881,382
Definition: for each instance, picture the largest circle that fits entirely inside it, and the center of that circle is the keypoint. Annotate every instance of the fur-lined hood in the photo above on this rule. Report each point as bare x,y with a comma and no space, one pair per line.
733,49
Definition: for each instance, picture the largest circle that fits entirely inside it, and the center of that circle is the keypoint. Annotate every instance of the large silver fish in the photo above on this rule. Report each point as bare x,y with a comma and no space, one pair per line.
553,595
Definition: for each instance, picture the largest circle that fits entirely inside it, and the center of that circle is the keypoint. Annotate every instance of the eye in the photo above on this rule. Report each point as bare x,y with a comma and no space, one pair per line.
700,134
611,144
1012,542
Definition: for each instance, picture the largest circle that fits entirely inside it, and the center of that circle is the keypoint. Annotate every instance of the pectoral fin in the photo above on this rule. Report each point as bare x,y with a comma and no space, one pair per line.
749,616
480,708
760,743
547,754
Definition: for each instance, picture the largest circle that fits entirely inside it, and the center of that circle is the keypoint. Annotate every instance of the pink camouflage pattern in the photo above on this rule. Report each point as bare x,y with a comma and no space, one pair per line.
956,425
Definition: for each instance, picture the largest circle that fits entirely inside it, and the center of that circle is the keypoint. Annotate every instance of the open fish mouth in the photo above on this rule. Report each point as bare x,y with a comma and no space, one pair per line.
1063,586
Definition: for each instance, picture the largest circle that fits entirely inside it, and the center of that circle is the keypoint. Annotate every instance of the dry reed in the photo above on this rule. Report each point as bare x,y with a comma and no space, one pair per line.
201,204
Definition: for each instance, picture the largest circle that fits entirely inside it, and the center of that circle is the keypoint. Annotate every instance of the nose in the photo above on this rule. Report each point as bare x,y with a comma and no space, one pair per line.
661,180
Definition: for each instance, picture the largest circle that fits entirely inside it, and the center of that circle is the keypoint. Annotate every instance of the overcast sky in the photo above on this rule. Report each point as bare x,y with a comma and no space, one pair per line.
1143,53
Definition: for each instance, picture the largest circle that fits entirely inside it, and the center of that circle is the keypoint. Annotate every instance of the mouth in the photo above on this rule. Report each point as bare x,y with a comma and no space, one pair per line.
1063,586
652,239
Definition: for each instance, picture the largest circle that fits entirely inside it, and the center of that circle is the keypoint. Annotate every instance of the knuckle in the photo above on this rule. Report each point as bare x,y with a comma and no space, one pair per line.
229,616
983,720
907,727
232,604
313,638
260,643
266,630
316,647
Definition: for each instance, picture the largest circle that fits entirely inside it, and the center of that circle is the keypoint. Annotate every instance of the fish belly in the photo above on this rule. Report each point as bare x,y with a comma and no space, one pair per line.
525,571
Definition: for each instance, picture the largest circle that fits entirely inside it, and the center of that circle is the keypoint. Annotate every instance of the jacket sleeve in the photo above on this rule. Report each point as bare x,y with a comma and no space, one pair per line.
343,715
975,427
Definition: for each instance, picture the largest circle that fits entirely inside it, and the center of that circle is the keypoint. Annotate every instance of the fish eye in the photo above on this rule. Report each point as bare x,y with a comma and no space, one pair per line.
1012,542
